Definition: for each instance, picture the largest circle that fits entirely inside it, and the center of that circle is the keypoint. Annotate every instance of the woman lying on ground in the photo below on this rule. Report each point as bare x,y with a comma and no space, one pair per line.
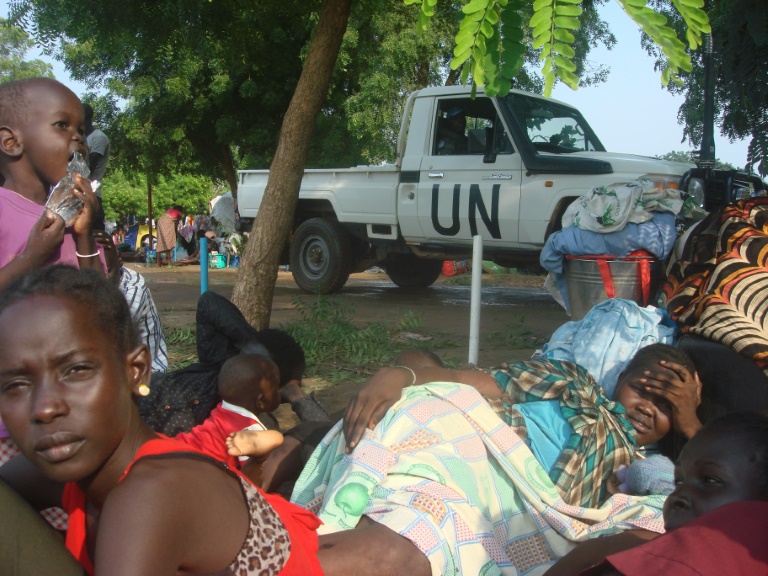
505,471
69,366
183,398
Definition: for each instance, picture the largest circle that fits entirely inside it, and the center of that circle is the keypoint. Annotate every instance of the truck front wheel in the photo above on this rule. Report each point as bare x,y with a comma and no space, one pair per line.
410,271
321,256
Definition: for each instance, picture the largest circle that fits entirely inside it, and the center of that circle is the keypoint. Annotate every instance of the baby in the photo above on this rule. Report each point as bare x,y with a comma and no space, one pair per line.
248,384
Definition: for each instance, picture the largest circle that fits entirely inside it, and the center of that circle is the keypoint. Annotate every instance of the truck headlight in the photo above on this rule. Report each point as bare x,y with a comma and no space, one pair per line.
696,190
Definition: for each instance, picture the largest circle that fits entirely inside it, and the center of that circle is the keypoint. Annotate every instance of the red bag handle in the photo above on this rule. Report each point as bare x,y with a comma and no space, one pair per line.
643,258
605,274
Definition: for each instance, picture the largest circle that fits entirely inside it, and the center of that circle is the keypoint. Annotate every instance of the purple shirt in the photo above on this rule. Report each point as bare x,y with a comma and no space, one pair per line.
17,217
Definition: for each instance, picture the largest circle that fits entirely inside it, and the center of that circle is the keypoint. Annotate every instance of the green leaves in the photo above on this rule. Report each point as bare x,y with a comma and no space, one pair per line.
474,6
14,44
673,49
551,24
564,49
542,16
568,10
695,18
128,194
490,43
566,22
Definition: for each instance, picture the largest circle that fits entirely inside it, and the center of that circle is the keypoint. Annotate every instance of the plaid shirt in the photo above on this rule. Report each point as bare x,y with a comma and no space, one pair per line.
602,438
145,317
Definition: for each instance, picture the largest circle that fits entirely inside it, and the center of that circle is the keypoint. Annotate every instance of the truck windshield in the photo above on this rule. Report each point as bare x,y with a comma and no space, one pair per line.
551,126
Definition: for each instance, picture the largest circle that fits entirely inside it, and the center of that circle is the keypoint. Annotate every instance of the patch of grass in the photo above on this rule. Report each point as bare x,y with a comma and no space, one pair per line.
409,321
452,362
181,336
182,348
337,349
515,336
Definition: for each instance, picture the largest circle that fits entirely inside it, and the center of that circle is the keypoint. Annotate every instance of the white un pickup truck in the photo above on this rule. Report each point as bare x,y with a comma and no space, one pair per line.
505,168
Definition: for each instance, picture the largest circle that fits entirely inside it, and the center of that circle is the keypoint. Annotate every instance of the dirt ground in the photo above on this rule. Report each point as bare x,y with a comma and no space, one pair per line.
517,315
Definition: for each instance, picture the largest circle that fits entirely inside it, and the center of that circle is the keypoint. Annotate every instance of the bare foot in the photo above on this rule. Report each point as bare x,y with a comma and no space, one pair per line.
255,443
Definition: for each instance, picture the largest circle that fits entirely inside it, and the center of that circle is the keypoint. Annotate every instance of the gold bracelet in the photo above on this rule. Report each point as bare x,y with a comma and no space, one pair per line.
413,374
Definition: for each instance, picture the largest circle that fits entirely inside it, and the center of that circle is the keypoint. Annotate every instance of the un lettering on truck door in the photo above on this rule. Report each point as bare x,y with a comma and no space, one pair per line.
462,191
458,199
476,206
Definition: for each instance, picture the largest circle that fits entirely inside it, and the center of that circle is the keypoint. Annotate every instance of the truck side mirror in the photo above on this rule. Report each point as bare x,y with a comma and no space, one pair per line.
490,146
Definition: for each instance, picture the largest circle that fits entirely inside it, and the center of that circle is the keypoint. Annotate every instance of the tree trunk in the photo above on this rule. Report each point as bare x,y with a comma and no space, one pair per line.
229,170
256,278
422,75
453,77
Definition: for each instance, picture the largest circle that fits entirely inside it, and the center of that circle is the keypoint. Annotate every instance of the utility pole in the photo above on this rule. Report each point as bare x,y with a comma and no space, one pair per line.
707,153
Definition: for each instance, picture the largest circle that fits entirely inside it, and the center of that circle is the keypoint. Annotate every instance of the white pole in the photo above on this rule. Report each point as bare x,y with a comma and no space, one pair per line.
474,306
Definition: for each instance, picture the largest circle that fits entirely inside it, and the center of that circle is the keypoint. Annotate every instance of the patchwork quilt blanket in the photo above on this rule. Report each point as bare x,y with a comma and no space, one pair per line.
443,470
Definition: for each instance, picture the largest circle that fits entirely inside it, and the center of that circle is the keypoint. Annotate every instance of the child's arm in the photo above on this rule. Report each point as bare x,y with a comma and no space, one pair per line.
85,244
46,235
595,550
111,256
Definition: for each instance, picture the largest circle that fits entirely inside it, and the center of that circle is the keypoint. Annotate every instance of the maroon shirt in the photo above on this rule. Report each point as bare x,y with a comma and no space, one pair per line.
729,541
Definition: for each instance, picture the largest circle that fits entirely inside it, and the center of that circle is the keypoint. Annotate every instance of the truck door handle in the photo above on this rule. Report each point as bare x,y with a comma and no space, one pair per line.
435,174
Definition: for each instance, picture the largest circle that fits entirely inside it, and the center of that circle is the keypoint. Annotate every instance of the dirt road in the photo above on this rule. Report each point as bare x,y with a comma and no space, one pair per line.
517,314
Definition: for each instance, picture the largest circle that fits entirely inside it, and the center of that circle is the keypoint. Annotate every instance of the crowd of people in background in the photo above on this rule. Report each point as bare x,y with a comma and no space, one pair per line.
175,239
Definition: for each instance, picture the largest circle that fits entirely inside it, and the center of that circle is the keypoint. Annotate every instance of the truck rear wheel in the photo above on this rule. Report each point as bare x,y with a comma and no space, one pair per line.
321,256
409,271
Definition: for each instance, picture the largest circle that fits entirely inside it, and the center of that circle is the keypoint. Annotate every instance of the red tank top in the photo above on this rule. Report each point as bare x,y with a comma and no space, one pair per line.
300,524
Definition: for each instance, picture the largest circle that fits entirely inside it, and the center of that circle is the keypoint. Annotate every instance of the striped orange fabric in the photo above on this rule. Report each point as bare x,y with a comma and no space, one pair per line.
719,288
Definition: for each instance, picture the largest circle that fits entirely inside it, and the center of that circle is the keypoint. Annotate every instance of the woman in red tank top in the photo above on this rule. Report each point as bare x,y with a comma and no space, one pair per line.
69,367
